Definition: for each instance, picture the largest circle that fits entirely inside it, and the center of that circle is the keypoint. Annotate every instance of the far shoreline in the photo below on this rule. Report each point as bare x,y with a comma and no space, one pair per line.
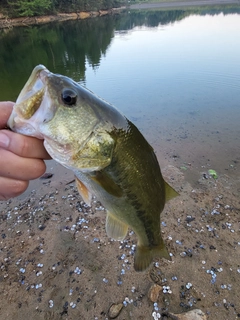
7,23
181,4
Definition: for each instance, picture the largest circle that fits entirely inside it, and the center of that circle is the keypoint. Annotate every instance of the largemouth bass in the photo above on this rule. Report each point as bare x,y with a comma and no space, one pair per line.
108,155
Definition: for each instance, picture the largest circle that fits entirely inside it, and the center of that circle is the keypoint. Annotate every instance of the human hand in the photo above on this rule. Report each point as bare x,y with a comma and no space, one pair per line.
21,157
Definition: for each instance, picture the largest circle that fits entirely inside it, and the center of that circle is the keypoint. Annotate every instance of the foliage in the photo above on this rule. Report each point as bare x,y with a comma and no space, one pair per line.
30,8
40,7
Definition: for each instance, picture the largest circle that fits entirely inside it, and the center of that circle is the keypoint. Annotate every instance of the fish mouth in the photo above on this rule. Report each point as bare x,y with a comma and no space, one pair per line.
31,96
26,114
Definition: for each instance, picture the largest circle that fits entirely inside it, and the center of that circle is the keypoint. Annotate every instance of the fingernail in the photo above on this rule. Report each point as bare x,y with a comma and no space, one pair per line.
4,140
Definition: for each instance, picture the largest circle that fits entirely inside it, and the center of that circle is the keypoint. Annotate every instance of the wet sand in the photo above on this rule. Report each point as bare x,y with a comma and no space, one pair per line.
58,263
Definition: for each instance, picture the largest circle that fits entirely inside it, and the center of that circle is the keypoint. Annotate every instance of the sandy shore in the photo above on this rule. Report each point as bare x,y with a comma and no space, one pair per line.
57,263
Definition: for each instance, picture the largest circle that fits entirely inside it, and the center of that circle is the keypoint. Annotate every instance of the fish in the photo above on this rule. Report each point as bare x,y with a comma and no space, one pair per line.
108,155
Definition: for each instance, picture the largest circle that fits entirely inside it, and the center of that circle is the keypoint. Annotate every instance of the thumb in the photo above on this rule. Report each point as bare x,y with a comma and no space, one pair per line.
5,111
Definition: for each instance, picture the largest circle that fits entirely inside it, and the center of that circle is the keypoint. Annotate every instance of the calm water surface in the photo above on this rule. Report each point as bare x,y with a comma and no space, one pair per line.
175,74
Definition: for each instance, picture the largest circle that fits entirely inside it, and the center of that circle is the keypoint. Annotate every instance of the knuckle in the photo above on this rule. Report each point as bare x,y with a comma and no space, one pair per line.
11,188
24,146
18,187
39,168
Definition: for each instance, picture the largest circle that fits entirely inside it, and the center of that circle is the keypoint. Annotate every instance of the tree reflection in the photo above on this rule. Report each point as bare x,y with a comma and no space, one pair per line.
68,47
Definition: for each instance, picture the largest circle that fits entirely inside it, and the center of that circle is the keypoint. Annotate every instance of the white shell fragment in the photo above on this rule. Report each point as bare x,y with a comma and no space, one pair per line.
196,314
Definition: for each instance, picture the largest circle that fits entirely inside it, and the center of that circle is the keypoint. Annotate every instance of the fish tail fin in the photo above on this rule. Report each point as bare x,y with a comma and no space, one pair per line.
144,256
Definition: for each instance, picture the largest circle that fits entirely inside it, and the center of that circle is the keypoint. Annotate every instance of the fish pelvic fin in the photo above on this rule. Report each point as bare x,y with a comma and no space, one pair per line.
144,256
84,192
115,228
170,192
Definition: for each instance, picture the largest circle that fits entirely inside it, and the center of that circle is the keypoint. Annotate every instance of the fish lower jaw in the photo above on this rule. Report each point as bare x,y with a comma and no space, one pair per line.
19,125
59,152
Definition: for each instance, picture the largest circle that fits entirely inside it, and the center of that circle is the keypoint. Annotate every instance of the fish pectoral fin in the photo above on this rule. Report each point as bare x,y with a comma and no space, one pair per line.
170,192
107,183
84,192
144,256
115,228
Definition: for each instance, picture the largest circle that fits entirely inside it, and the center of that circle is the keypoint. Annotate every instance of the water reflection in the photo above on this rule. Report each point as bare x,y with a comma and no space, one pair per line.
67,47
62,47
175,74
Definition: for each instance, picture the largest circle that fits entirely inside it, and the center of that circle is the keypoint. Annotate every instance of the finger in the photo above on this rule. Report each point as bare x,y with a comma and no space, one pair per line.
14,167
23,146
10,188
5,111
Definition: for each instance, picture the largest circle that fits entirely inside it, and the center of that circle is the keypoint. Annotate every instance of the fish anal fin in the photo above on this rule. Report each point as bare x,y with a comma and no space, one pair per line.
84,192
144,256
115,228
170,192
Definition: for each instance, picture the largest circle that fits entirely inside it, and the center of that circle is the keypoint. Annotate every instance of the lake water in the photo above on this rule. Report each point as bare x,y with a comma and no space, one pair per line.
175,74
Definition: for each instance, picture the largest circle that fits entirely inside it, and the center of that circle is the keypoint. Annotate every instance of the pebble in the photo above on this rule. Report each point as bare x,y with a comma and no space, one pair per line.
156,308
40,265
115,310
154,292
188,285
50,302
72,305
156,315
178,242
215,212
166,289
183,254
77,270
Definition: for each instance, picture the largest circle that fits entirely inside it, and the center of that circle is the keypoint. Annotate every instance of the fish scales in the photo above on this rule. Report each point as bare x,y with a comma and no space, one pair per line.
108,155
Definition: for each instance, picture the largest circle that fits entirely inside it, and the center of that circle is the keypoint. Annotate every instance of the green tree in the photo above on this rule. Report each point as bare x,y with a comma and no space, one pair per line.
30,7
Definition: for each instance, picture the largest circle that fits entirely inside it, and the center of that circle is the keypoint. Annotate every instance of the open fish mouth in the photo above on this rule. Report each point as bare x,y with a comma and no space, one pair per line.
32,93
34,109
33,104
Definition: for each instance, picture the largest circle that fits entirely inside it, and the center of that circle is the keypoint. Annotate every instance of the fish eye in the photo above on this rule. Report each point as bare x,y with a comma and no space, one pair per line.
69,97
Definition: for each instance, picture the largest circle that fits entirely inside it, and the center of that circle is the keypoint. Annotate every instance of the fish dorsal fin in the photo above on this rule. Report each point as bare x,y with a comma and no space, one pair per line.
84,192
115,228
107,183
170,193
